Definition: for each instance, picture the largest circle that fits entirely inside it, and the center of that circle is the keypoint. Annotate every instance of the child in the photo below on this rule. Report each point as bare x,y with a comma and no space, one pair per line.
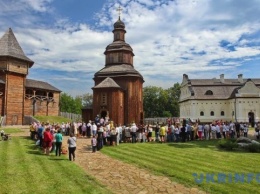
94,144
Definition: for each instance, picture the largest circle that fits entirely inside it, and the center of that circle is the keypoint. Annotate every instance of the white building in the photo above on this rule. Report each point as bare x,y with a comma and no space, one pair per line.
225,99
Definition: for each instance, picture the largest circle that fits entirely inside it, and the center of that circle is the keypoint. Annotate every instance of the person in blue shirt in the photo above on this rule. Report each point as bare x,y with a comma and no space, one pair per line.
39,134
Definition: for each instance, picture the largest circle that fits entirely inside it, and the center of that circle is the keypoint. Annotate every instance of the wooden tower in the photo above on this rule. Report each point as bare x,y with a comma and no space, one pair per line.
14,67
118,90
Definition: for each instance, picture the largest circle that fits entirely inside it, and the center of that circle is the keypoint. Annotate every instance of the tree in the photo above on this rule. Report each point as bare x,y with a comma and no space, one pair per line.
74,105
66,103
161,103
87,100
151,101
173,99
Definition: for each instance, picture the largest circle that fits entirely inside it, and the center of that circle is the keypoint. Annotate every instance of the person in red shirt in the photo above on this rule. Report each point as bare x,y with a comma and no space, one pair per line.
47,141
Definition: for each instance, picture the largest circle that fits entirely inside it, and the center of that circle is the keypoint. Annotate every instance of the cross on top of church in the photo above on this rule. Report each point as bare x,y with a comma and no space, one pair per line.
119,9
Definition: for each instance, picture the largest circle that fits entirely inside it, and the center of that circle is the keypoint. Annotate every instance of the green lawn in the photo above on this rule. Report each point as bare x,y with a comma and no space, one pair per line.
24,169
52,119
179,161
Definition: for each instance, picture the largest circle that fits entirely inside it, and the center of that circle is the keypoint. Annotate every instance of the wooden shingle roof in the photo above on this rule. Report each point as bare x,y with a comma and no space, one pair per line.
118,70
9,47
35,84
107,83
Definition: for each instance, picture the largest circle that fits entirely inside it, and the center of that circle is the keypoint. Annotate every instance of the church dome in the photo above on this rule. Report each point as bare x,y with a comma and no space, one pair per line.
119,24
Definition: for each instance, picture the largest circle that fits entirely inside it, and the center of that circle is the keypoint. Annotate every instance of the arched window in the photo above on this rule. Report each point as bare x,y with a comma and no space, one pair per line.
212,113
222,113
209,92
201,113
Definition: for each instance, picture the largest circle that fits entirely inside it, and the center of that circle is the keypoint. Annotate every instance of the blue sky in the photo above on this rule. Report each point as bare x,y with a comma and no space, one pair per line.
202,38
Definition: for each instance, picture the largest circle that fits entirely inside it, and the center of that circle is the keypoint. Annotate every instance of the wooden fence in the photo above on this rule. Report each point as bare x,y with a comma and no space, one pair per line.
72,116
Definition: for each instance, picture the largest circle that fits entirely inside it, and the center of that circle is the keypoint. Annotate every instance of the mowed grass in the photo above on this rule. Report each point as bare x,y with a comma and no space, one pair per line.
52,119
24,169
179,161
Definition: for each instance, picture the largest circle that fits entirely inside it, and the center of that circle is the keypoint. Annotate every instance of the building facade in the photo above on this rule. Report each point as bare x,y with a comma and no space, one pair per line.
20,96
220,99
118,90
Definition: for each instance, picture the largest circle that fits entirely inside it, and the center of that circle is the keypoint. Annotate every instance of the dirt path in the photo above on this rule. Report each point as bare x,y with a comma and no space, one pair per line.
120,177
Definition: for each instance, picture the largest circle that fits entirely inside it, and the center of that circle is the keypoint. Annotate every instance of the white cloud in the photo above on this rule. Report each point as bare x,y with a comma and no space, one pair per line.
169,37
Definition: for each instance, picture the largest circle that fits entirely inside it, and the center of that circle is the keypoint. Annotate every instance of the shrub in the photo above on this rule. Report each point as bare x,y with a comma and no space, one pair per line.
227,144
255,148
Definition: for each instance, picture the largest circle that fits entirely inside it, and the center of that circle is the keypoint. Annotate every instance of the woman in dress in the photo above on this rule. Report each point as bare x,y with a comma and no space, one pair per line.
47,141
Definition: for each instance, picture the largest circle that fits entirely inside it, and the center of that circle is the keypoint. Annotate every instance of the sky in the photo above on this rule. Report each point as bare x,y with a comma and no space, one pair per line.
201,38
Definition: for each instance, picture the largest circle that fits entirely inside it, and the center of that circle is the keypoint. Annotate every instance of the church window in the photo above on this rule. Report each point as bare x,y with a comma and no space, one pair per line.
209,92
212,113
222,113
201,113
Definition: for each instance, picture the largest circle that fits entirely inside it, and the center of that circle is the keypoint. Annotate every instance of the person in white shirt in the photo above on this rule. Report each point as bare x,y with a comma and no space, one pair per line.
133,130
118,135
206,129
213,131
177,133
218,132
94,129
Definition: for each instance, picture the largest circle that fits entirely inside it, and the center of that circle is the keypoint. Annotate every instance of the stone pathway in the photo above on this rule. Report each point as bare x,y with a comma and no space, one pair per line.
124,178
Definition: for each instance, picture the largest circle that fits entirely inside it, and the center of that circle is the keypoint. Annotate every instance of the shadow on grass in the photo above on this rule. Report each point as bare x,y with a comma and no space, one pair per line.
193,144
35,152
57,158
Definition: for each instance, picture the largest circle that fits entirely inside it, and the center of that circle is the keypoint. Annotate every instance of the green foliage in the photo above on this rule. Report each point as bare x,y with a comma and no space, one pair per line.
24,169
167,114
254,148
227,144
74,105
87,100
66,103
159,102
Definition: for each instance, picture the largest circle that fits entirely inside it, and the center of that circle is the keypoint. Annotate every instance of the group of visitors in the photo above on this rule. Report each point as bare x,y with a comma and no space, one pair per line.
105,132
49,138
188,131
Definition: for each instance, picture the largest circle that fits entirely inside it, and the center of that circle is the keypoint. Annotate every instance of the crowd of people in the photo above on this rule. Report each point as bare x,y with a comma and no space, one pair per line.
188,131
105,132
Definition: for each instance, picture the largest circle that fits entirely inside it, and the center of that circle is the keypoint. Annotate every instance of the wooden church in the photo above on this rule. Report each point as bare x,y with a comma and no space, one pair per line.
118,90
20,97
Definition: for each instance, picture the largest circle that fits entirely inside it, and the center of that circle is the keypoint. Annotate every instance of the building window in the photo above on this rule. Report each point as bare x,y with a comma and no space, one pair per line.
212,113
209,92
104,99
222,113
201,113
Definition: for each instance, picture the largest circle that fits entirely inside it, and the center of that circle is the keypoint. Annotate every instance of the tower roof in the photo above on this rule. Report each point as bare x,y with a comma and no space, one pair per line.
119,24
108,83
10,47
